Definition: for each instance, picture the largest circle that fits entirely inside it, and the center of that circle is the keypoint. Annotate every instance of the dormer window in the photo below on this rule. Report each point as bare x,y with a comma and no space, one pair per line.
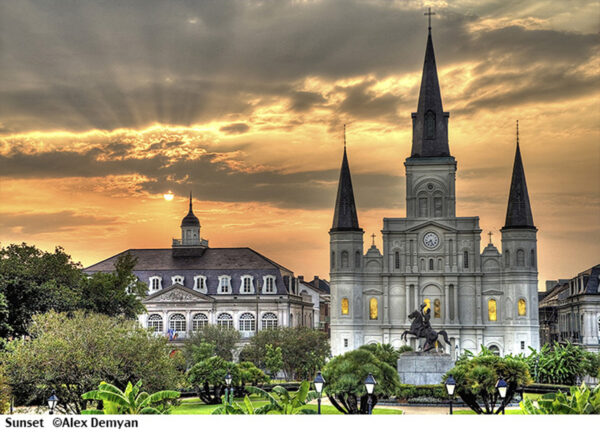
247,285
200,284
224,285
155,283
269,285
177,280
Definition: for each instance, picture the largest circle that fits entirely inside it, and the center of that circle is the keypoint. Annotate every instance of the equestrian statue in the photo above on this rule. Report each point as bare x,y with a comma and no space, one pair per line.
421,328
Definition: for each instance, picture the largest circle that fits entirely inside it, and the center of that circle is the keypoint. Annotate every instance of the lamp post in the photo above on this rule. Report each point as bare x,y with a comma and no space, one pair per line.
52,401
502,386
227,385
450,387
370,386
319,382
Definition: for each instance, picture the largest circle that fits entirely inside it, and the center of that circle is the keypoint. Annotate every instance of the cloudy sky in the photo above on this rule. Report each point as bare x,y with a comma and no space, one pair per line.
105,106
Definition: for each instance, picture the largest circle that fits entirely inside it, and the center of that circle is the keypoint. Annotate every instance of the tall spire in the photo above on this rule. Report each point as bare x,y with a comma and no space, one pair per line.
191,202
345,217
190,219
518,213
430,122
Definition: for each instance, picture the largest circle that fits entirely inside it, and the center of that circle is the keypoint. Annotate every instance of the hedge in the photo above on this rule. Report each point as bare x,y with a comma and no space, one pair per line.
433,391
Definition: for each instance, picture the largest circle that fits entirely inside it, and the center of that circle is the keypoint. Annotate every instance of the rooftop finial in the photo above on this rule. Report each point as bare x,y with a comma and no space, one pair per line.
344,136
429,13
490,234
373,236
190,200
517,132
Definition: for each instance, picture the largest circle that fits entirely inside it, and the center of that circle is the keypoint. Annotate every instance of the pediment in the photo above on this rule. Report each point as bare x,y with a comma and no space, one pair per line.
493,292
432,223
177,293
373,291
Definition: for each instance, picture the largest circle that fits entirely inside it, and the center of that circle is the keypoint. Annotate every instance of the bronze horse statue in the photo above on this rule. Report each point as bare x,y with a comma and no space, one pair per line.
421,328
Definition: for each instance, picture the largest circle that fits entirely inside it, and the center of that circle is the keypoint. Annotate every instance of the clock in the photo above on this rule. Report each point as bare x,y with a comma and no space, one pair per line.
431,240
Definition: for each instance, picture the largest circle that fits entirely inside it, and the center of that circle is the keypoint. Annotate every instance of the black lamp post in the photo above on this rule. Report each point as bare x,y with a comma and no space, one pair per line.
450,387
370,386
319,382
52,401
502,386
227,385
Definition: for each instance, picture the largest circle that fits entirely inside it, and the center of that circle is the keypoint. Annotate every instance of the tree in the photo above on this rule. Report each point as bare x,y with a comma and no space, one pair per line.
273,359
5,392
384,352
580,400
130,401
74,354
345,376
208,378
250,374
477,375
5,328
223,339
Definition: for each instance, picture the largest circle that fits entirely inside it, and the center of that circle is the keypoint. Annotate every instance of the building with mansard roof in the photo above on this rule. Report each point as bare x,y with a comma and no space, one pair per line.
191,285
433,256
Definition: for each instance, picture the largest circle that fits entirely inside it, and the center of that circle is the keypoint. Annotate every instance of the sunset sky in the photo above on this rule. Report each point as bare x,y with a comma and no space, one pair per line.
106,105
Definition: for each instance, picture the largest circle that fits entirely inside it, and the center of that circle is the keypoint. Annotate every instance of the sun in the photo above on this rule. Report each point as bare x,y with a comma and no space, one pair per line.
168,196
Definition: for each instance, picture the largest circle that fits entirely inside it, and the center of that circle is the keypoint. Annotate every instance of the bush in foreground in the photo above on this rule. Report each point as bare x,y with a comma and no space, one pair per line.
581,400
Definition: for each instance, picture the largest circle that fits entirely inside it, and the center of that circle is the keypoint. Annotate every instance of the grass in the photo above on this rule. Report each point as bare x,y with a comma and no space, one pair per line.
195,406
512,411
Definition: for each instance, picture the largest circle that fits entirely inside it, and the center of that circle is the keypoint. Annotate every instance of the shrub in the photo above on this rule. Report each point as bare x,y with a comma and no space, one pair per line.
208,378
250,374
384,352
558,364
410,392
581,400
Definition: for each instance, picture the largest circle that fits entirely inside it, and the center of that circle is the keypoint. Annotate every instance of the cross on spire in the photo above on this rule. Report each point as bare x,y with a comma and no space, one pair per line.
428,14
344,135
373,237
517,132
490,234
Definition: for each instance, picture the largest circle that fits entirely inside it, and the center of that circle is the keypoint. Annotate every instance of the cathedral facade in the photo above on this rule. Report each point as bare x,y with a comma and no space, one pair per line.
432,256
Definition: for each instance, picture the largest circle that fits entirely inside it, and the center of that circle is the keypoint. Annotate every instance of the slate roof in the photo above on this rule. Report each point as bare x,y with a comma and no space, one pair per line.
518,212
320,284
430,100
345,217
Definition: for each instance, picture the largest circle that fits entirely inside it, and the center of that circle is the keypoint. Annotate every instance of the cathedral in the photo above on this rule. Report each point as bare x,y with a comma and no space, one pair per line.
432,256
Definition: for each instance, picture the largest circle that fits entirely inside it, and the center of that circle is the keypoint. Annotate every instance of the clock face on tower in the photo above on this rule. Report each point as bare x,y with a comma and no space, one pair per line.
431,240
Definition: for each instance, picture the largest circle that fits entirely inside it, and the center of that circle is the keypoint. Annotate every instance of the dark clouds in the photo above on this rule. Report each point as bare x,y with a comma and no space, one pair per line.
39,223
105,64
235,128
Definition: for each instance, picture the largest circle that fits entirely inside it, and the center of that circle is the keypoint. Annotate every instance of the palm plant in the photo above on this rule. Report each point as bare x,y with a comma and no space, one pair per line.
582,400
236,408
281,401
130,401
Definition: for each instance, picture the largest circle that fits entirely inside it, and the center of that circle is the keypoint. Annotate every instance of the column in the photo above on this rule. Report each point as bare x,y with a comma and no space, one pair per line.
407,301
456,316
446,304
386,299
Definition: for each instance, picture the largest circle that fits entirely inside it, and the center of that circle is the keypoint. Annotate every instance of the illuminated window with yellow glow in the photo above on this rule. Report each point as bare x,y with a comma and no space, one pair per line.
373,312
522,307
437,308
427,305
492,316
345,306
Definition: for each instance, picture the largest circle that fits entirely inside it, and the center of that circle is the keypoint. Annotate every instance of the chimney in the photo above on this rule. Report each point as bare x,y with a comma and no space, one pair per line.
315,281
300,278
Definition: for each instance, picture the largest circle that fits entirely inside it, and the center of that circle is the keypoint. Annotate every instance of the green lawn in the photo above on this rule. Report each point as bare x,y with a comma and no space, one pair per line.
511,411
195,406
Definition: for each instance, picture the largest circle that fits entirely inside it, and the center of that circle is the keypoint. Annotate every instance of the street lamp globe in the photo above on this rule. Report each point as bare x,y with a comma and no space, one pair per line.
450,385
319,382
370,384
228,379
501,386
52,401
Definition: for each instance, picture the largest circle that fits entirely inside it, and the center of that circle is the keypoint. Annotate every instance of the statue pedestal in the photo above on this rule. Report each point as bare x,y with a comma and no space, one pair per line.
420,368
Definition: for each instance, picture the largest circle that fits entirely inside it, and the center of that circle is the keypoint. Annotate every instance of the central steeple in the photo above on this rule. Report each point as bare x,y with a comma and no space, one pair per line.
430,122
345,217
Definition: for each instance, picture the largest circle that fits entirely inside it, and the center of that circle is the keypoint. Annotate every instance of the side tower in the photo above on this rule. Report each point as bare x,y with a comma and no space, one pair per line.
190,244
346,250
519,247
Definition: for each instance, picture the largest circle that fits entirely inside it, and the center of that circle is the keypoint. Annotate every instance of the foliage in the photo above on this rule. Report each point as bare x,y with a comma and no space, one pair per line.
195,353
581,400
476,377
236,408
5,328
273,359
130,401
303,350
409,392
384,352
592,364
282,401
5,392
557,364
72,355
250,374
404,348
223,339
345,376
208,378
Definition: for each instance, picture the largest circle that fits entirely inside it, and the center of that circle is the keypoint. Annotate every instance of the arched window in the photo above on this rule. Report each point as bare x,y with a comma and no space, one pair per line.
520,258
466,259
269,321
373,309
177,280
224,285
345,306
451,252
397,259
357,259
177,323
247,322
199,321
225,320
155,323
492,315
507,258
422,264
200,283
522,306
431,264
438,206
332,259
429,125
423,206
427,305
155,283
247,285
494,349
532,258
440,264
437,308
345,259
269,285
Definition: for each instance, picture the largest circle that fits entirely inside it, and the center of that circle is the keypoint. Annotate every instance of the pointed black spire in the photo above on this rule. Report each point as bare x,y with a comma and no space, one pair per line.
345,217
518,213
430,122
190,219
